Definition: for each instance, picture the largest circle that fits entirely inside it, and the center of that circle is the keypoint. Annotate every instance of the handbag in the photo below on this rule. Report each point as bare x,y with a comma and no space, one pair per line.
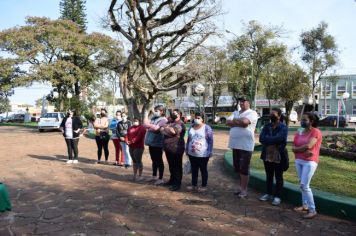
187,167
272,154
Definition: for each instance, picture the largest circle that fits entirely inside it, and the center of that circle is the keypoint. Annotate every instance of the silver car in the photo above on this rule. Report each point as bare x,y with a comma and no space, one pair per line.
50,121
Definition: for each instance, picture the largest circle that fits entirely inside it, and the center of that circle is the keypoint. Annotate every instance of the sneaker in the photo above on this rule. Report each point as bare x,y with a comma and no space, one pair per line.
127,166
202,189
140,178
266,197
69,161
159,182
192,188
152,178
276,201
75,162
310,215
242,195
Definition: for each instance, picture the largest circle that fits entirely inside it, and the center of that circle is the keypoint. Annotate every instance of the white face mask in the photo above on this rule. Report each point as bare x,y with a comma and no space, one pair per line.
157,113
136,123
118,117
197,121
124,118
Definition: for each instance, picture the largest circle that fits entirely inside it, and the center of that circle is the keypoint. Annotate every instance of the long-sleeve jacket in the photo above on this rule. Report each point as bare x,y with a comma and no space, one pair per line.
122,128
136,136
277,136
76,124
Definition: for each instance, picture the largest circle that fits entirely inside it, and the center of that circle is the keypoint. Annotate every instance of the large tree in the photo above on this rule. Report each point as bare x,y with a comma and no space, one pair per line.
160,35
320,53
258,45
74,10
47,47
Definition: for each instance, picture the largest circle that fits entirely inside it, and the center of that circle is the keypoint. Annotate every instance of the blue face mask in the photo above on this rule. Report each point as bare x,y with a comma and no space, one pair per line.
304,124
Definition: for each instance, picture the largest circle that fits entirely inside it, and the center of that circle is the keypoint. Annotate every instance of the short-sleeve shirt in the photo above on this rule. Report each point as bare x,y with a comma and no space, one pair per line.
303,138
243,138
198,145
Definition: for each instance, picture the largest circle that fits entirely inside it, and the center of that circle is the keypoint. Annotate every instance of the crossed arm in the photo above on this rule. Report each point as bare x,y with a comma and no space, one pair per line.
240,122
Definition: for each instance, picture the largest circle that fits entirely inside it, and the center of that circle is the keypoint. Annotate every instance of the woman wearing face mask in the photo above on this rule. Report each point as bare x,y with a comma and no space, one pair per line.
70,127
135,140
154,141
274,155
173,145
306,147
119,155
199,148
122,128
102,135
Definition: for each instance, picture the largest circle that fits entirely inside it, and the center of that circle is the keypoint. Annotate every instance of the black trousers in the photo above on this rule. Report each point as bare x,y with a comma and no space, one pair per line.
274,170
72,147
102,144
156,154
175,168
199,163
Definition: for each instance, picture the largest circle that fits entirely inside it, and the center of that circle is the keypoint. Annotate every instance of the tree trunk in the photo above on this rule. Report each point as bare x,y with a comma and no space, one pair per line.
289,106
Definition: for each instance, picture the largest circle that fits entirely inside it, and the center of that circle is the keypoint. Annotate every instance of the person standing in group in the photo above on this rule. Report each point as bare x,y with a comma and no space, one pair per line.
242,142
174,146
154,141
199,148
119,154
274,155
122,128
306,147
71,126
102,135
135,140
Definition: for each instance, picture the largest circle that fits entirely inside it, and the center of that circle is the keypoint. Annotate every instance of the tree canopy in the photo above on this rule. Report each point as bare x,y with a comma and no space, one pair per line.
74,10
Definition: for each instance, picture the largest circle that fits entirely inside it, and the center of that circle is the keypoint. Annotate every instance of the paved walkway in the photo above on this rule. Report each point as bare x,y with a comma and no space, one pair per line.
50,197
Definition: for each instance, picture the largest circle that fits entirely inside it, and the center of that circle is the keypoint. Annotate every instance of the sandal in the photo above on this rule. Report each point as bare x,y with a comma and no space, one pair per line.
310,215
301,208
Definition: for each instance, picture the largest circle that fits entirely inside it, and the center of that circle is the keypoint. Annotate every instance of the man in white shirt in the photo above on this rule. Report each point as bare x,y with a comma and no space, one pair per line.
242,142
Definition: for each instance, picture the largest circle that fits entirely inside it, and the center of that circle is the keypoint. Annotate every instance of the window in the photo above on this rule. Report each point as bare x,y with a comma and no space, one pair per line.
340,89
326,90
327,109
353,90
354,110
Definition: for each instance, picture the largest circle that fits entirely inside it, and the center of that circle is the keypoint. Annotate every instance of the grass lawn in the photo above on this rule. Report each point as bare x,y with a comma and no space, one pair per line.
27,125
332,175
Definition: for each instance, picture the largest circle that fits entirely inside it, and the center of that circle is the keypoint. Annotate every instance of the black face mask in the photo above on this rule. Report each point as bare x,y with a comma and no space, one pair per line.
174,116
273,119
102,114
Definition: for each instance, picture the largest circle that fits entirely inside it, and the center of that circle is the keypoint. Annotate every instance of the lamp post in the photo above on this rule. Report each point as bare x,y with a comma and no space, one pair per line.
199,90
341,104
55,96
69,96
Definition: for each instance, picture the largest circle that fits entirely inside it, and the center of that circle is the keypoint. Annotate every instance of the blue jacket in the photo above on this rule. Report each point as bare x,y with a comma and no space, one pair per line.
277,136
154,138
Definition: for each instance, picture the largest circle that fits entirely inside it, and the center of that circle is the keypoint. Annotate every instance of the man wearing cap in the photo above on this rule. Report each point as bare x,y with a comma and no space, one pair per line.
242,141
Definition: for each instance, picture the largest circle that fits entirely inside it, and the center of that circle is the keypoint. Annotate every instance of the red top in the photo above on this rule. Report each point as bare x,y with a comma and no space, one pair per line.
136,135
304,138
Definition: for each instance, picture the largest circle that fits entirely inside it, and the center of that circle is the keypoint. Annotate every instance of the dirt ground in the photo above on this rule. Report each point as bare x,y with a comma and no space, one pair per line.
50,197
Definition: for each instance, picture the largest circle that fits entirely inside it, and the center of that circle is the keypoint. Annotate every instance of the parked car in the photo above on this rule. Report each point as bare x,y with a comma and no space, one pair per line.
50,121
15,118
352,119
332,121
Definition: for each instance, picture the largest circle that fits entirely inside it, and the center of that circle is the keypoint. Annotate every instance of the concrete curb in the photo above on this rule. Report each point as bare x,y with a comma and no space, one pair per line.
327,203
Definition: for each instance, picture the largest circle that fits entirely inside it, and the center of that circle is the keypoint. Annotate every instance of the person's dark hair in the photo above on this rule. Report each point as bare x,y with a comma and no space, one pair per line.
279,112
161,109
123,113
103,109
72,110
199,114
314,118
136,118
178,111
118,111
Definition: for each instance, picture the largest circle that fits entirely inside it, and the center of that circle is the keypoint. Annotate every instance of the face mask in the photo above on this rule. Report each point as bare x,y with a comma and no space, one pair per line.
273,118
197,121
136,123
124,118
304,124
157,114
174,116
103,114
118,117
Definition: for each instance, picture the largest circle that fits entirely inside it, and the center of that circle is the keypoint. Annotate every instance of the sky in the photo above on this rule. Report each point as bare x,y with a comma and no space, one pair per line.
295,16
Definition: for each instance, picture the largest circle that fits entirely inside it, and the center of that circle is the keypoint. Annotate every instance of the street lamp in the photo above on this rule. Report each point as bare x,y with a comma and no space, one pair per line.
69,96
341,104
199,90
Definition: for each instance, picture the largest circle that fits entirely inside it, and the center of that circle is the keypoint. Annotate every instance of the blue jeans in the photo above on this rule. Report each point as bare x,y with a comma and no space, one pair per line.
126,151
305,171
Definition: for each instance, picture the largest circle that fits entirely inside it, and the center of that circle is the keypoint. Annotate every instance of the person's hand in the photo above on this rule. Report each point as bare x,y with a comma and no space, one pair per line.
308,153
128,142
122,139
